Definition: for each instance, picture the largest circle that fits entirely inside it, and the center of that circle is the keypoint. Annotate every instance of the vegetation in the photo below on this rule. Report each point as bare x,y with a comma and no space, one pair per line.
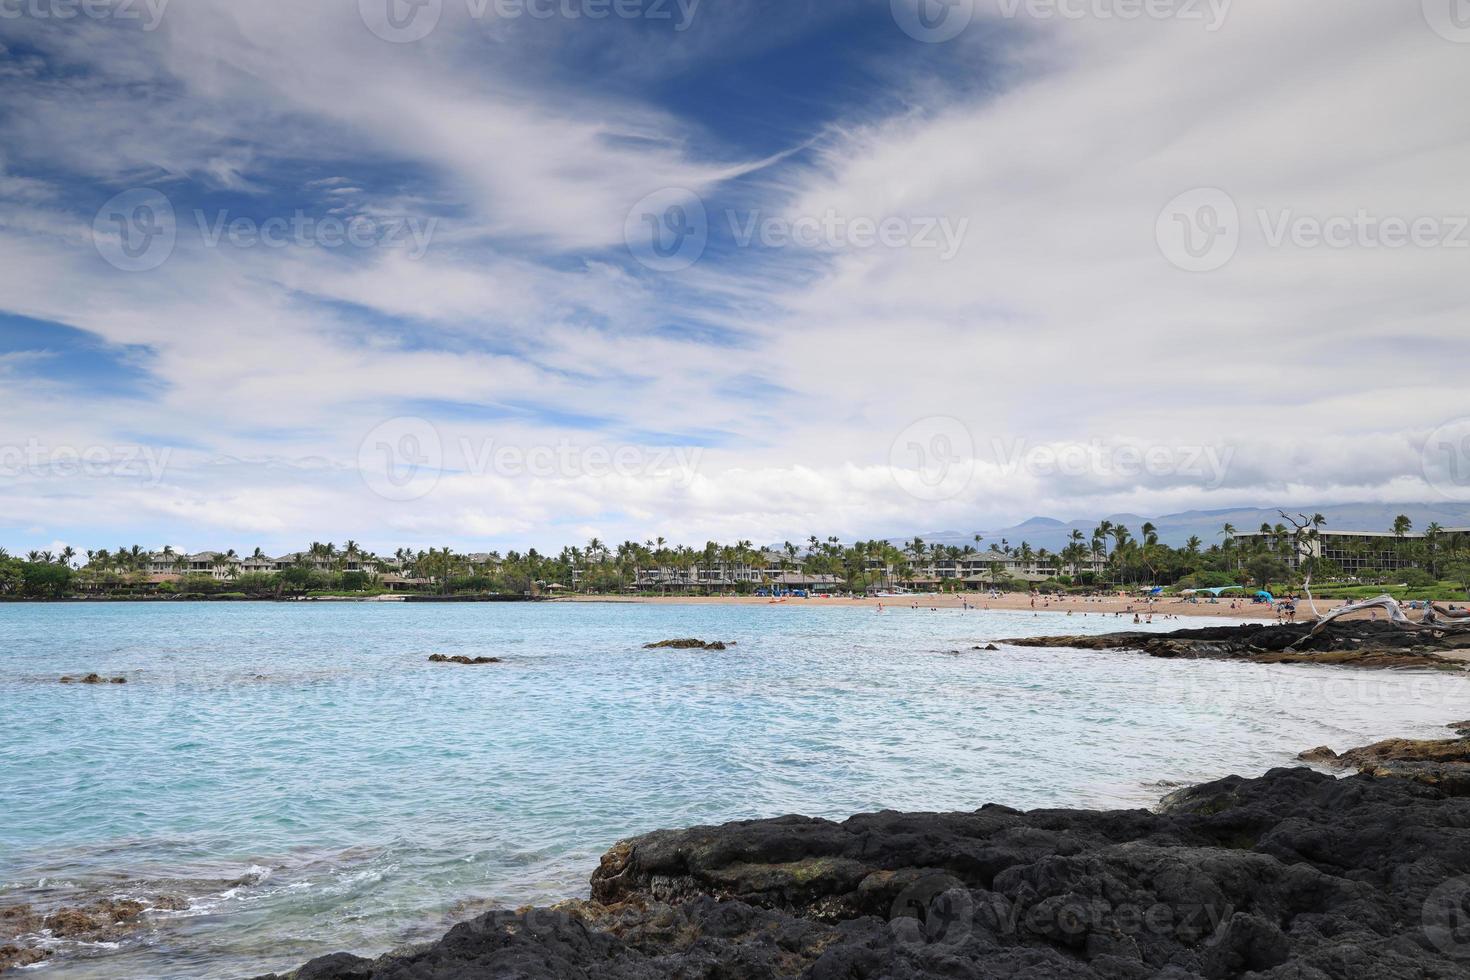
1111,557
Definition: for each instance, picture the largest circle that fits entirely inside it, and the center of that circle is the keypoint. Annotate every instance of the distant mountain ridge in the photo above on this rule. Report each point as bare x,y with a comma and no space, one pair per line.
1176,529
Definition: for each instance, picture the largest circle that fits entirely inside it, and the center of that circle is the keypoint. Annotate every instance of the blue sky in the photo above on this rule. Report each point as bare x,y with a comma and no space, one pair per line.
282,274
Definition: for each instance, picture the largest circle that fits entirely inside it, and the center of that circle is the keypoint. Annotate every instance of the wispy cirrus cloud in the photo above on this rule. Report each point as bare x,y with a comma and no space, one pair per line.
1056,142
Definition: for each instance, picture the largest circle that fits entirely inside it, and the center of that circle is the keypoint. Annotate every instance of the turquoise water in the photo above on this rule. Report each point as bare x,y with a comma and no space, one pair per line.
307,782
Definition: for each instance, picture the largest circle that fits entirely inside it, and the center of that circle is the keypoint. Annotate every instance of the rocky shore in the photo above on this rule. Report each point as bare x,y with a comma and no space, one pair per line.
1441,763
1294,875
1355,643
103,921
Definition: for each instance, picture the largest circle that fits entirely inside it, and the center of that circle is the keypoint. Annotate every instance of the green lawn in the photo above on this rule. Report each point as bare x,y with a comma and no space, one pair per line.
1443,592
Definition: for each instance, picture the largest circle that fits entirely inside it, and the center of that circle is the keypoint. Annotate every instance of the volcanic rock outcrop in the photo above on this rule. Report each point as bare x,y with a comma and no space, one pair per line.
1294,875
1356,643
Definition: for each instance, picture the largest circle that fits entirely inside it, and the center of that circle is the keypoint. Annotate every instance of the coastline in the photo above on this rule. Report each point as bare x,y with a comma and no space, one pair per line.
1108,606
1291,873
1121,609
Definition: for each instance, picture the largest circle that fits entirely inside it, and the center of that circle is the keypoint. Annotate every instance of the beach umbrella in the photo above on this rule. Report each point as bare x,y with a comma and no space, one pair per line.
1266,595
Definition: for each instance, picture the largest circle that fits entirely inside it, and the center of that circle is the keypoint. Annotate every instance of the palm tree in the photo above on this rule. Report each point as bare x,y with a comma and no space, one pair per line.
1401,528
1432,533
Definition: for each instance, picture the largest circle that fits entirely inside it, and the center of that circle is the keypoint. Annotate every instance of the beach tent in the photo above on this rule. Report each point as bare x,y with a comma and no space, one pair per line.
1214,591
1263,594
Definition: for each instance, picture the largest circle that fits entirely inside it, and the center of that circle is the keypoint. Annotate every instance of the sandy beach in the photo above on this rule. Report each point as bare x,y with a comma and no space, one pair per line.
1118,606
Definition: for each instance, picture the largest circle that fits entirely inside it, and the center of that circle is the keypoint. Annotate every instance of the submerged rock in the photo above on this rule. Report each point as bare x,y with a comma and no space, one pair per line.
687,645
104,921
440,658
101,921
94,679
12,956
1294,875
17,920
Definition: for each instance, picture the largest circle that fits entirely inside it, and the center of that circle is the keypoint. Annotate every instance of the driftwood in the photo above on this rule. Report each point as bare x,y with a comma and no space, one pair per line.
1434,617
1306,530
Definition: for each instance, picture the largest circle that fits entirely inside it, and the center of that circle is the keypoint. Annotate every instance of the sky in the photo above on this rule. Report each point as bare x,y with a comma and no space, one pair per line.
500,274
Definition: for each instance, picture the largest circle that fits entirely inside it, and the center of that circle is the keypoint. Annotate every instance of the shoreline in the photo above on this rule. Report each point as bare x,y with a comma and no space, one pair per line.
1119,608
1225,878
1104,607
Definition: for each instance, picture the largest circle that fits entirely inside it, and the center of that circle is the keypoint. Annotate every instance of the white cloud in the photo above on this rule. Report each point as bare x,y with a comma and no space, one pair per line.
1058,322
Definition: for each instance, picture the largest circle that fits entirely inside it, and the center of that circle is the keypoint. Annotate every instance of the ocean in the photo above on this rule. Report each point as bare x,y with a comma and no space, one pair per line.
297,778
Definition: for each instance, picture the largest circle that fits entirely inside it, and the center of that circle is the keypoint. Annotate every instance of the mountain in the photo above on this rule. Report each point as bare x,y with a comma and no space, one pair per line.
1176,529
1042,523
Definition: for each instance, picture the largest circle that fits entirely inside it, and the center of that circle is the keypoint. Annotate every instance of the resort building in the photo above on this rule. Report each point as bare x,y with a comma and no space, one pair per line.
1352,551
226,566
987,567
718,574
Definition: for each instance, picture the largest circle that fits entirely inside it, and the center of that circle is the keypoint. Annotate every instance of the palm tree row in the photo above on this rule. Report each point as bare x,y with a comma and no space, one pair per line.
1111,555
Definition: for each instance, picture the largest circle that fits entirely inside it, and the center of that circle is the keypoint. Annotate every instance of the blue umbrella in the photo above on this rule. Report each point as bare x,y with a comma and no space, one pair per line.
1267,596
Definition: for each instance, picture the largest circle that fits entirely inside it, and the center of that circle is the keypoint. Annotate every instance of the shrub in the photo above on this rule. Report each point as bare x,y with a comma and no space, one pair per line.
354,581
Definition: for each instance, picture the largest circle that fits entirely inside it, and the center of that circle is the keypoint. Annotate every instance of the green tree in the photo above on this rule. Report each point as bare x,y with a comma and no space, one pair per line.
1265,569
43,580
12,577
